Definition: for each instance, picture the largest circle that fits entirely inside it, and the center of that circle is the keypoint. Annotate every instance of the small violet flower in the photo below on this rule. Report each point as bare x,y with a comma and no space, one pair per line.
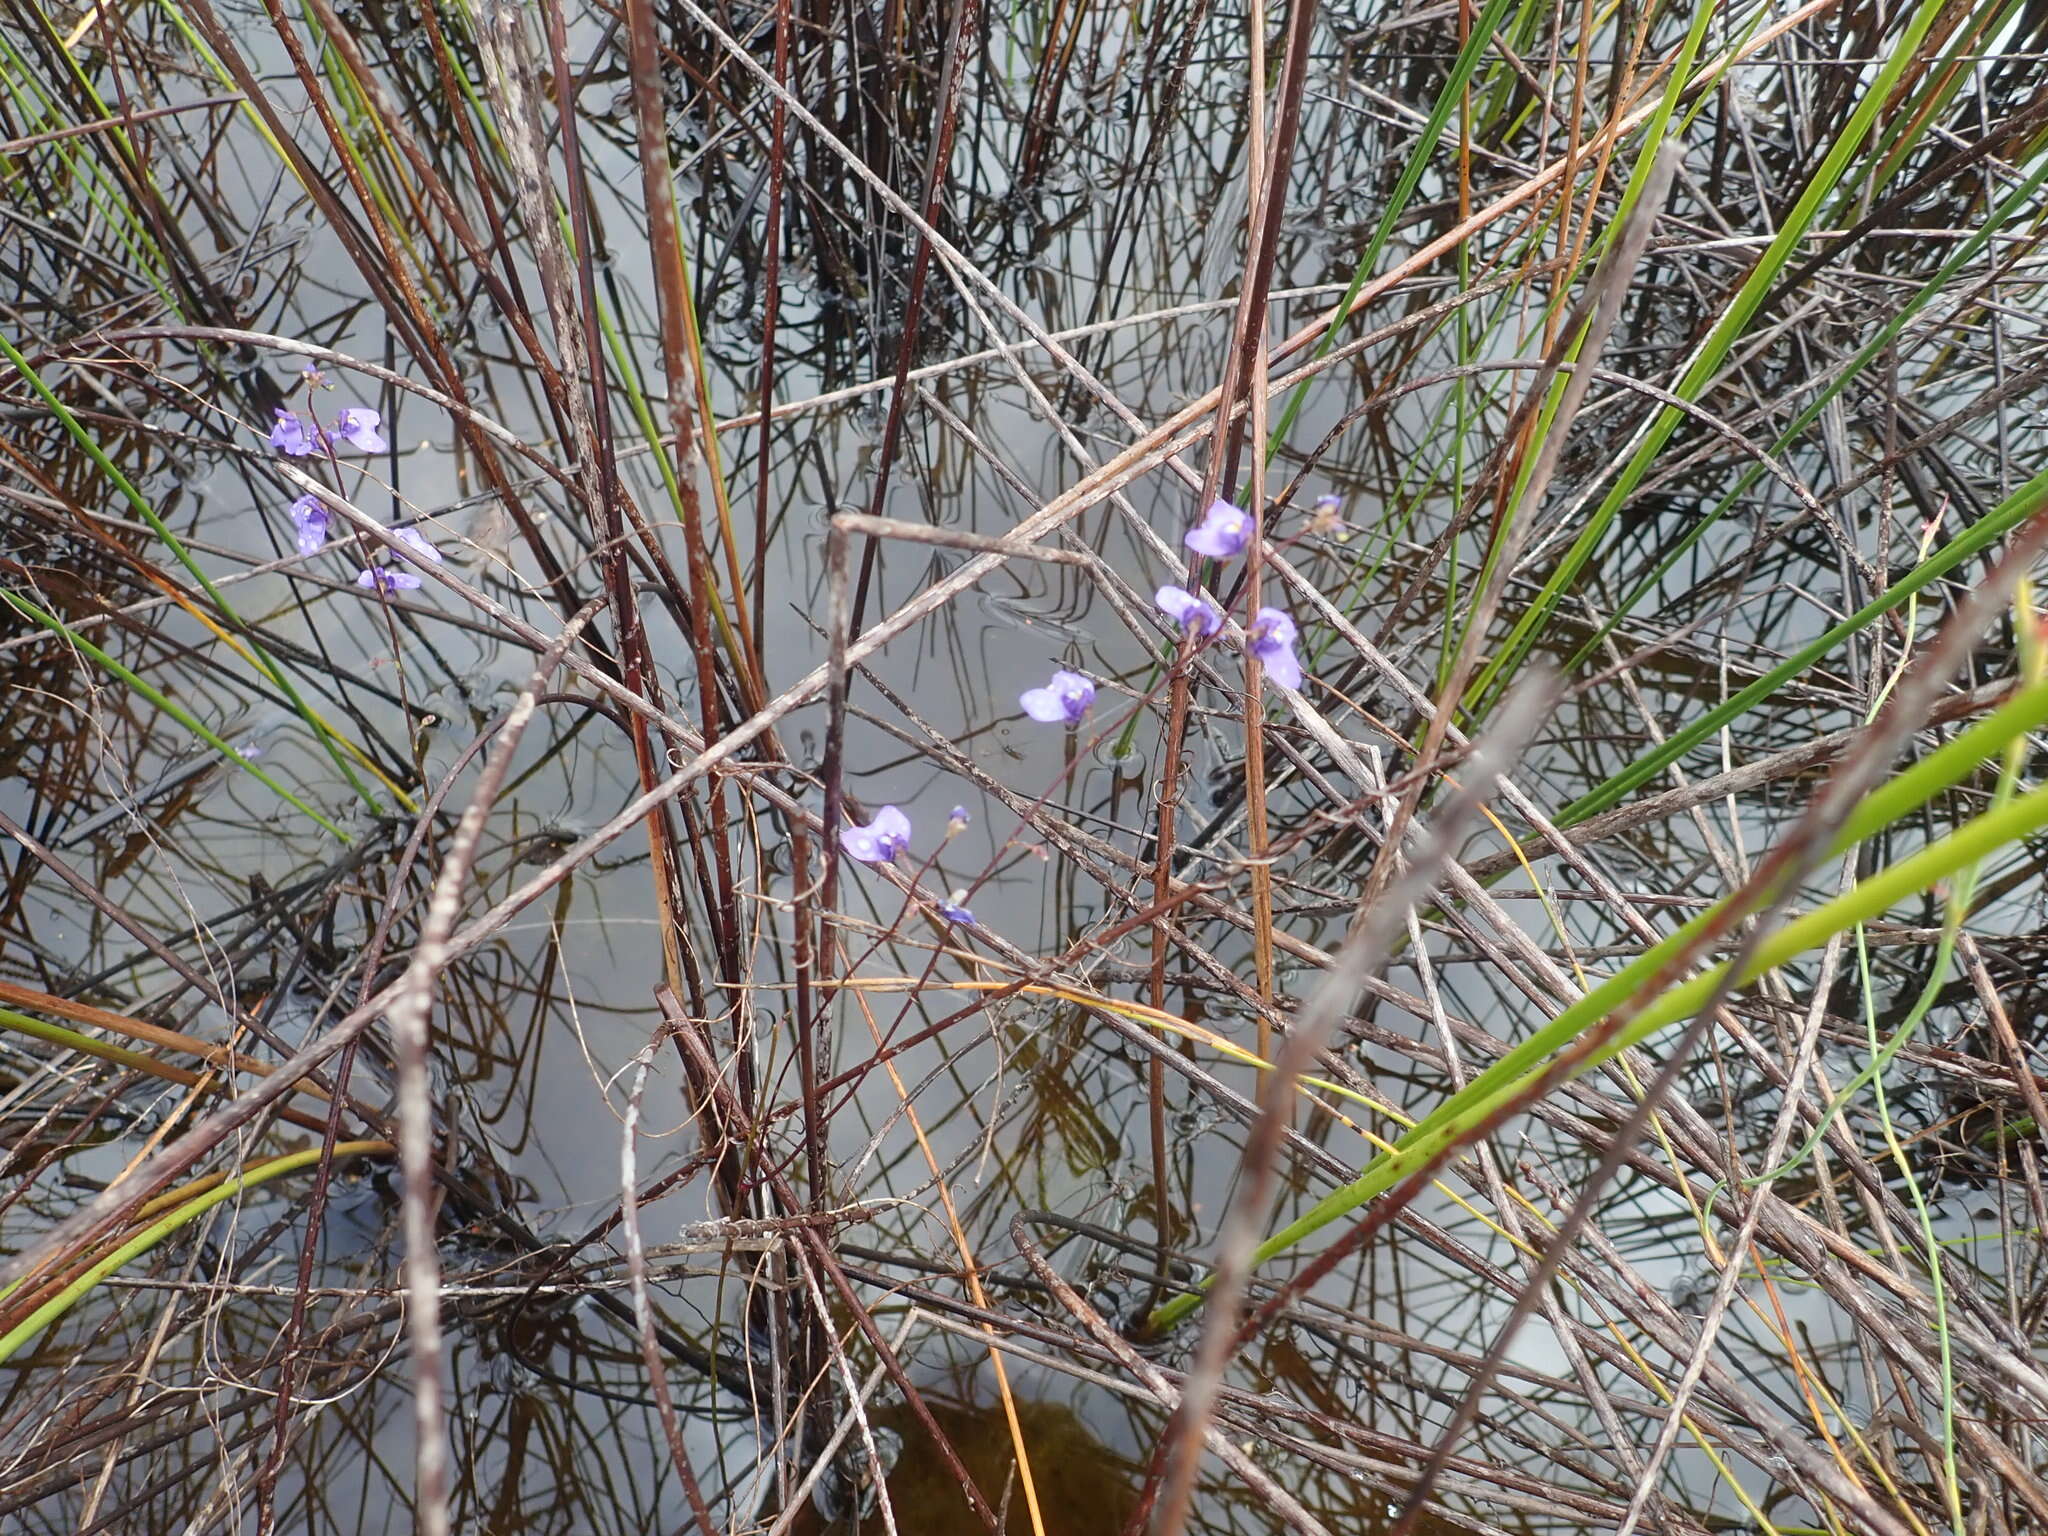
1270,637
1062,701
289,435
311,517
881,840
953,912
395,577
1223,532
957,822
358,425
386,578
416,545
1191,613
1326,519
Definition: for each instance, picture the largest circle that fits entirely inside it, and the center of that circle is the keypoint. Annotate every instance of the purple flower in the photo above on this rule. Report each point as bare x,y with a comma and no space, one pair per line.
1222,533
881,840
288,435
1190,613
396,577
359,425
386,578
1064,700
1271,638
415,544
311,517
957,822
953,912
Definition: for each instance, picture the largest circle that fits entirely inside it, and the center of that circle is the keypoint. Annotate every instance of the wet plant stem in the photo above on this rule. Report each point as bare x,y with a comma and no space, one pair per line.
1162,890
771,313
1255,504
960,35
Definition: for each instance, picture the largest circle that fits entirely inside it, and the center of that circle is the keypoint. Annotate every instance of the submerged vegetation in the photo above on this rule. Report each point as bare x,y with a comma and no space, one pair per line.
1058,770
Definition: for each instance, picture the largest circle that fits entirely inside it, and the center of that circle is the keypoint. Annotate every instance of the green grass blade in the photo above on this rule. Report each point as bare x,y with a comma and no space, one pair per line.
2026,502
1447,99
1498,1086
1713,352
77,1290
163,702
2020,200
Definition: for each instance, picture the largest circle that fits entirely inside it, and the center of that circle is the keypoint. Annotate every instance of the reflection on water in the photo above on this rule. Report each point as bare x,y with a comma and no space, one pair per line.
1084,1488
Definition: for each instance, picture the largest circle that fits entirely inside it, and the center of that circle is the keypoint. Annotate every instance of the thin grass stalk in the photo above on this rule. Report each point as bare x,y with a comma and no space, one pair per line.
690,446
813,1043
820,1254
14,996
771,314
295,1326
1568,234
1162,888
959,34
1364,950
643,1303
736,630
971,1273
1257,830
1268,174
86,1045
579,333
108,124
1588,338
147,1065
1950,1480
